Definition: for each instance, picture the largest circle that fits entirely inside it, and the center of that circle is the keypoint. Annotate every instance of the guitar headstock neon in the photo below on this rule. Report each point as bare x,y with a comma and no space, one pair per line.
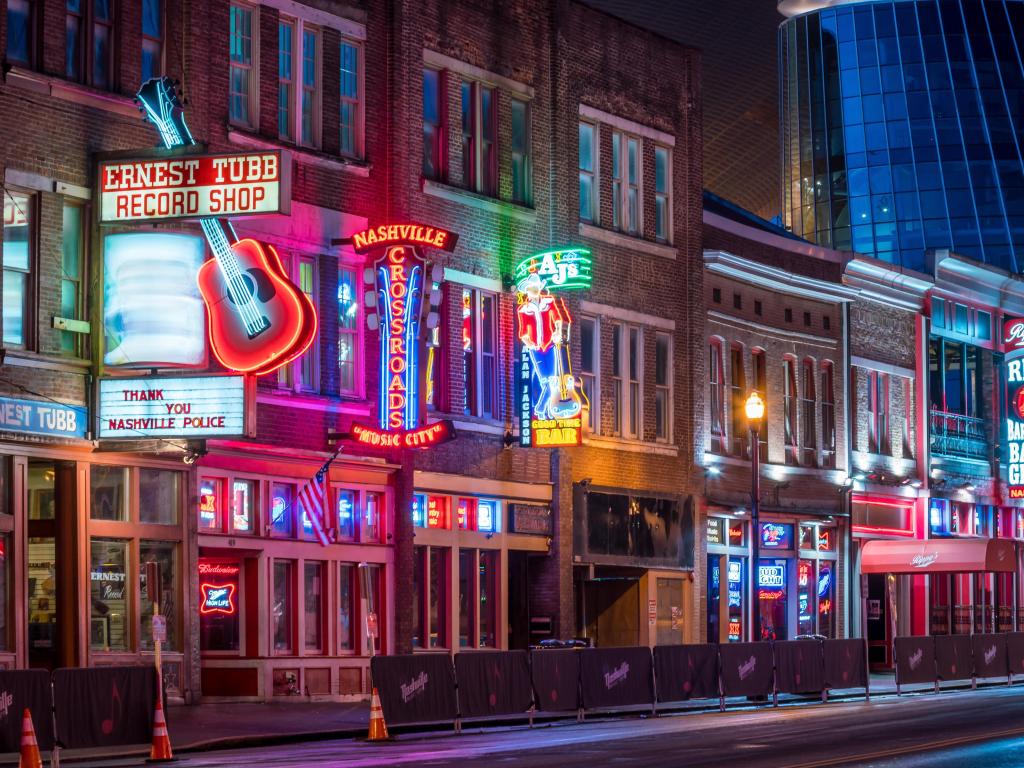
160,104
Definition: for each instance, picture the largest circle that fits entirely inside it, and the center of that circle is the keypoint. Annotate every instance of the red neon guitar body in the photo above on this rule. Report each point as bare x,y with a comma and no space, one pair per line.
290,317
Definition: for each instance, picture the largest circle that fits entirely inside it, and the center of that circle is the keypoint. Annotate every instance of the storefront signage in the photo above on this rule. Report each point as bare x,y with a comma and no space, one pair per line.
43,417
388,235
189,186
776,535
194,406
714,530
437,512
1013,362
772,576
531,519
217,598
551,398
421,437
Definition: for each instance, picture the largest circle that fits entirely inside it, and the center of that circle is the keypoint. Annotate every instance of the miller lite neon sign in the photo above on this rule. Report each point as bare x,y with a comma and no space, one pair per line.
1013,362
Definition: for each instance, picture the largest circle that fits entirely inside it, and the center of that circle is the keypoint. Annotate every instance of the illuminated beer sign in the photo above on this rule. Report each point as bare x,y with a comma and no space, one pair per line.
1013,362
190,186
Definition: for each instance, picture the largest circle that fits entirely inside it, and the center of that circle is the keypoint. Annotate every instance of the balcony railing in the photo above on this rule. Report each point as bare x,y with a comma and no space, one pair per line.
955,435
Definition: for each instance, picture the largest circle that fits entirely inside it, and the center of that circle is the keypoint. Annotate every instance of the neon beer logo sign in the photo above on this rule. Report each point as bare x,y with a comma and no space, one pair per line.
1013,362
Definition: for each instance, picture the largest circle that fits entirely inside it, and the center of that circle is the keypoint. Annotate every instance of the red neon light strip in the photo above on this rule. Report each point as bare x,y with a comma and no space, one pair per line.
205,589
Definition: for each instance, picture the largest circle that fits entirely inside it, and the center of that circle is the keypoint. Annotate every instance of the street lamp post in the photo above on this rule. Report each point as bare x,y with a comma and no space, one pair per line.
755,413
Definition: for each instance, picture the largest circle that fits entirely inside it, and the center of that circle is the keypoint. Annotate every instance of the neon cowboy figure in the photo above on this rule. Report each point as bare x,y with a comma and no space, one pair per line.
544,325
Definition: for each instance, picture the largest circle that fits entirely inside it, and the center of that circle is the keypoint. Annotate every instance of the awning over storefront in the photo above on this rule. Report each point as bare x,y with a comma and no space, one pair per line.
939,556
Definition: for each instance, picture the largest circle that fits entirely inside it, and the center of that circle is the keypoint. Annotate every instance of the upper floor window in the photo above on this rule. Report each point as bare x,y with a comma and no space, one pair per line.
18,266
908,411
522,172
152,38
435,367
348,332
588,171
350,119
479,138
479,349
738,396
302,374
951,317
590,354
309,134
72,299
633,365
663,387
626,183
878,412
716,396
285,79
433,125
789,398
828,416
298,77
663,194
759,371
89,42
242,78
21,26
808,422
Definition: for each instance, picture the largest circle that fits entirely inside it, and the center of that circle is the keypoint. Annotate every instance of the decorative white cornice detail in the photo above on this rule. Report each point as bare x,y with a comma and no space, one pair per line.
480,202
771,331
775,279
887,284
874,365
439,60
982,283
626,315
473,281
629,126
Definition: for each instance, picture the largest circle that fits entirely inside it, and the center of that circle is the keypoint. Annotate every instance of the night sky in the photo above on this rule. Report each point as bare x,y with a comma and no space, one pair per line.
740,81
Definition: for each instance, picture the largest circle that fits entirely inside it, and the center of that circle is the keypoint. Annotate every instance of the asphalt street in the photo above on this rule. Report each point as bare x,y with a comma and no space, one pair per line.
979,729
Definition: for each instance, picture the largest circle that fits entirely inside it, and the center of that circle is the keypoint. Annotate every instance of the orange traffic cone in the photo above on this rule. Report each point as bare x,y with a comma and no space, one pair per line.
378,728
160,751
30,757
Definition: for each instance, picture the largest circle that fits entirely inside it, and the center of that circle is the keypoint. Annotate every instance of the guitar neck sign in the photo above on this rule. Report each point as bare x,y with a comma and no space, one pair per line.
190,186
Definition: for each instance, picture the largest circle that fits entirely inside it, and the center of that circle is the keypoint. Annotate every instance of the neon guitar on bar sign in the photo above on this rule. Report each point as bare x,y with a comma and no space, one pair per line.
258,319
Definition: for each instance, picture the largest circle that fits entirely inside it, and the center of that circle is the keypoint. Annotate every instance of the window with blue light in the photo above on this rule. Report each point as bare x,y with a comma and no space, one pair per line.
419,511
346,506
282,500
488,516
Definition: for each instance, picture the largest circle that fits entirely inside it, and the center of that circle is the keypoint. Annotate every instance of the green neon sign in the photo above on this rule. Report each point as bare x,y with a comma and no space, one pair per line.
564,269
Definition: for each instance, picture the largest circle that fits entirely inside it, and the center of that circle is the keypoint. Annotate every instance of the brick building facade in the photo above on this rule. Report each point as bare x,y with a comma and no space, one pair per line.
387,112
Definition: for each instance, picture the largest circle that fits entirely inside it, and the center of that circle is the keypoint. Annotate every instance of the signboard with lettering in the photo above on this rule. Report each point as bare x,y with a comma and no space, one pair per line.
715,527
190,186
187,406
531,518
1013,363
43,417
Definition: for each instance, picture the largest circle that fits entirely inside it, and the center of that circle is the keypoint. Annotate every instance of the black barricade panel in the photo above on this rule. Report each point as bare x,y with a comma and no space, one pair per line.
686,672
556,679
746,669
953,657
990,655
1015,652
21,689
915,659
616,677
799,666
104,706
417,688
844,664
493,683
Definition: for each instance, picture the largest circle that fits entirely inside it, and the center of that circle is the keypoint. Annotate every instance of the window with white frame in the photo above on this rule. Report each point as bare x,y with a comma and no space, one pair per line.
663,194
298,102
350,118
480,353
72,292
627,366
152,38
243,80
522,172
302,374
433,126
617,396
21,31
626,183
89,42
663,387
19,258
479,138
590,355
588,172
349,348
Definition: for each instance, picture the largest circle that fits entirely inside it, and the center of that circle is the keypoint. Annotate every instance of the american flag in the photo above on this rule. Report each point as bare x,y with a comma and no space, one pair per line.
313,500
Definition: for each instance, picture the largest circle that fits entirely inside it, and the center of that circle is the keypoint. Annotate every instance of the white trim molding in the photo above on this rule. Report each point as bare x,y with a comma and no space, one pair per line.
629,126
873,365
606,442
886,283
479,486
629,242
627,315
439,60
473,281
776,279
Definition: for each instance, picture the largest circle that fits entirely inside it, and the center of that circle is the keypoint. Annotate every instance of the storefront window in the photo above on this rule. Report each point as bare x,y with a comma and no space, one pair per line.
5,581
158,581
714,597
737,607
776,535
466,563
467,514
243,494
772,599
109,492
108,579
346,617
42,482
805,597
282,501
218,605
159,496
438,592
488,599
737,533
314,618
5,485
374,607
371,517
419,511
346,515
826,603
438,512
211,496
42,596
419,581
488,516
282,612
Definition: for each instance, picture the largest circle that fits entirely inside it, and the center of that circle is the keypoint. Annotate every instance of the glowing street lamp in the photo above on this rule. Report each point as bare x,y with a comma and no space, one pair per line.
754,408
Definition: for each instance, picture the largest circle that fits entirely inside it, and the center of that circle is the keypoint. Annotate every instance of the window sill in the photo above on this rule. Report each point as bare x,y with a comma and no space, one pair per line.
479,202
74,92
630,445
303,155
26,359
611,237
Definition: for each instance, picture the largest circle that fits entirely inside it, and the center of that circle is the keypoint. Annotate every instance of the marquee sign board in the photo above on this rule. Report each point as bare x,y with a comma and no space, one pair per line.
189,186
1013,365
188,407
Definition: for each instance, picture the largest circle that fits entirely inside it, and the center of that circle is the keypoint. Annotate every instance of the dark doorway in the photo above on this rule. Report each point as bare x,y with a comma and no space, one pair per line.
518,600
612,611
879,633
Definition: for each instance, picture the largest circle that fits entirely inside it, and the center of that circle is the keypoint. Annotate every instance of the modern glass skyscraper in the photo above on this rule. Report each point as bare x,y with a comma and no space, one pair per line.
903,127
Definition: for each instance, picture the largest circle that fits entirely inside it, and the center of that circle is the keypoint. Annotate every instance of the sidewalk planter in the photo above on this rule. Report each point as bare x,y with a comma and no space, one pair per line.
685,672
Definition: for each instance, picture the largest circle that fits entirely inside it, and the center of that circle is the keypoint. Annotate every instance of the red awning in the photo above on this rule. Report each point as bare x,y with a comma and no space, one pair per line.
939,556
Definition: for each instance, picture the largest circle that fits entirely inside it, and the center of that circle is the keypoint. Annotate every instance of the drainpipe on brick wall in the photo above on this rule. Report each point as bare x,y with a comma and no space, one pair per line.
846,505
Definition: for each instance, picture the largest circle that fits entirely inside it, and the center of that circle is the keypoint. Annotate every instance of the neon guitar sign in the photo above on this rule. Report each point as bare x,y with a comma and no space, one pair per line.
258,319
